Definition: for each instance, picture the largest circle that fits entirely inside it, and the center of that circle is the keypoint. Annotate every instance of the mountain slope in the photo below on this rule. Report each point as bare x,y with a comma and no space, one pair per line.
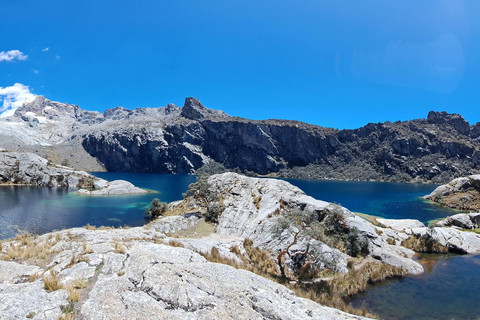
175,139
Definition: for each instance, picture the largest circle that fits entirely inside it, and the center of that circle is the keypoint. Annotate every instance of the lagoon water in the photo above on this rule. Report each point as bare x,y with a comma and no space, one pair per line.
40,210
448,290
383,199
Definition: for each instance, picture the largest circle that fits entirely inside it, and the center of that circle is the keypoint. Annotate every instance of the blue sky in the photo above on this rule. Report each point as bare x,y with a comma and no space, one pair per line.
337,64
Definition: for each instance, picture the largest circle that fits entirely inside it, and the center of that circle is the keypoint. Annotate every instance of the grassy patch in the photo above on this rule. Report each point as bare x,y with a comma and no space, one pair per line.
51,282
199,230
424,243
331,293
174,243
26,248
79,283
73,293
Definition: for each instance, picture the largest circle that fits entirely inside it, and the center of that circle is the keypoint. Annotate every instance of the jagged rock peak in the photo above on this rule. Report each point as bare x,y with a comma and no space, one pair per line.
117,113
453,119
193,109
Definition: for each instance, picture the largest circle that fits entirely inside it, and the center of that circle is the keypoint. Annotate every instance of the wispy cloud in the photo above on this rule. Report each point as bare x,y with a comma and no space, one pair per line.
13,98
46,49
12,55
35,71
58,57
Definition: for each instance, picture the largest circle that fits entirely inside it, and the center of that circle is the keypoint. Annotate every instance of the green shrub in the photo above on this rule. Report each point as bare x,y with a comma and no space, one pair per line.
156,208
214,210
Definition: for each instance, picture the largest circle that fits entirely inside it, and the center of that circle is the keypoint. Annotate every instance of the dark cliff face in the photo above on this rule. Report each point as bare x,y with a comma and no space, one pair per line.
424,148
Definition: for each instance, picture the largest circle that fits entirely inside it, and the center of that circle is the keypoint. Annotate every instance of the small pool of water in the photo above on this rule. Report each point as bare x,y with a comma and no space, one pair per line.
448,289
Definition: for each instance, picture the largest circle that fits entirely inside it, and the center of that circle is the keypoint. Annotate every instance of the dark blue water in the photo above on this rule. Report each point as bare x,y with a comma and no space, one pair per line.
41,210
449,289
387,200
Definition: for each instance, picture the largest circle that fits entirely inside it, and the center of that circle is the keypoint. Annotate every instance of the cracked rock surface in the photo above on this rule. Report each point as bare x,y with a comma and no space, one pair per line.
132,274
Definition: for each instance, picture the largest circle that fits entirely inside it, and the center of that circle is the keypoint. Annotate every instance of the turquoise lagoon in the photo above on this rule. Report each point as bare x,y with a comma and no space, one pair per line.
40,210
448,290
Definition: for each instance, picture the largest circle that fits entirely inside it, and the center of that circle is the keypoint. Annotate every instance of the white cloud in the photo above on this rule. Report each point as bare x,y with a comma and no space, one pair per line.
13,98
46,49
11,55
58,57
35,71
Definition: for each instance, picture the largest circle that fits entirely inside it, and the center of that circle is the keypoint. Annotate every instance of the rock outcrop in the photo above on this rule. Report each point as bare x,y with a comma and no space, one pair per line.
116,187
175,139
30,169
132,274
461,193
33,170
461,220
450,238
253,207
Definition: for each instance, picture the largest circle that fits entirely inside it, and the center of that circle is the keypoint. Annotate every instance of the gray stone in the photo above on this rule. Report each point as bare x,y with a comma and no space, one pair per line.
401,224
115,187
79,270
113,262
461,220
173,224
17,301
176,283
12,272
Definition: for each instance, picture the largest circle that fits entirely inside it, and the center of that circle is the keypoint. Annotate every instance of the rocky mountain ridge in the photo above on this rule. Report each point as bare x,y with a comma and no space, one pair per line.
175,139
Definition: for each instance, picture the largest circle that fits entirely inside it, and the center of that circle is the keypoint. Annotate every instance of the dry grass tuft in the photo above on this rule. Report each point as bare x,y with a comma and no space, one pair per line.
52,283
34,277
215,256
24,248
424,243
73,293
119,247
256,201
86,250
79,283
235,250
260,259
174,243
24,238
